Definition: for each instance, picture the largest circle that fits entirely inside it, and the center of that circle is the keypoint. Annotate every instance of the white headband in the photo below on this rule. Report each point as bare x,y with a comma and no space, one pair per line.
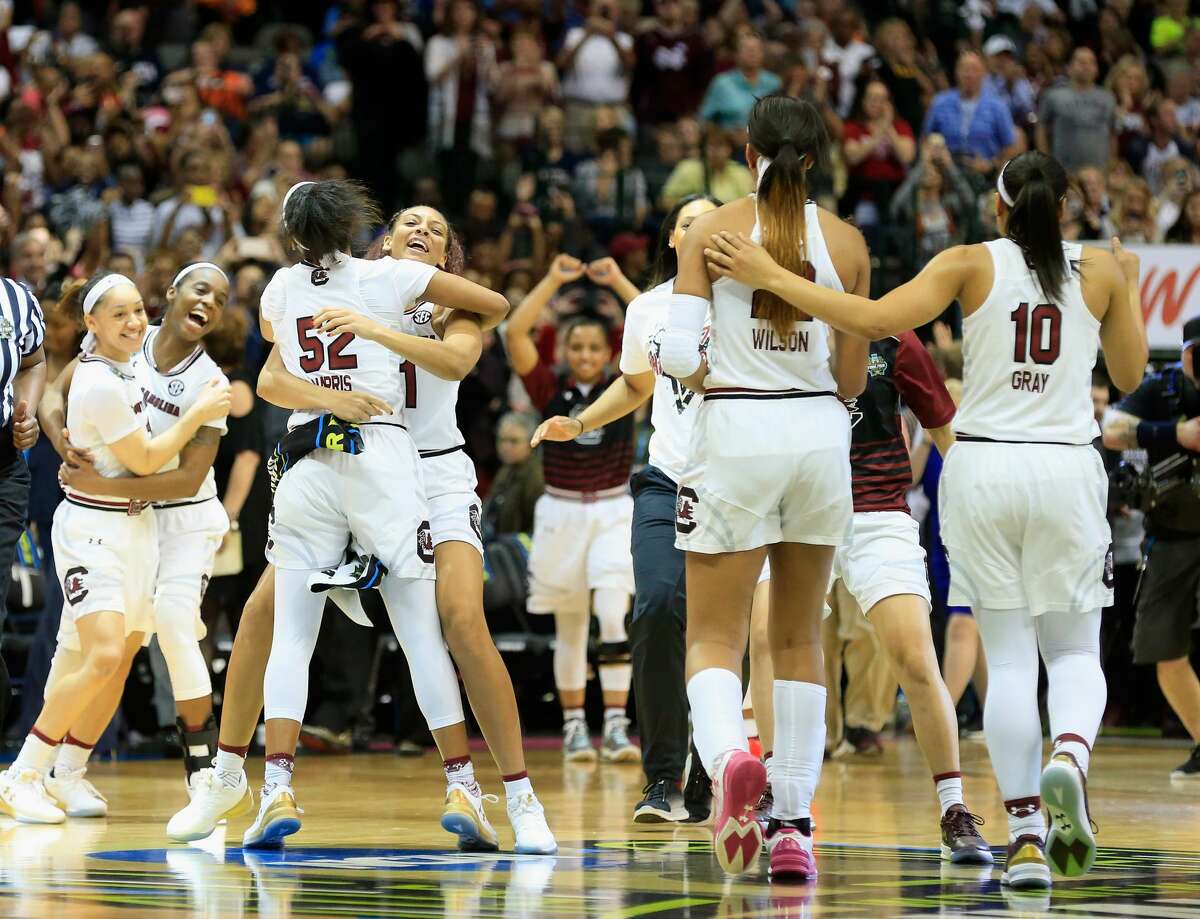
103,286
188,269
291,191
1004,195
763,162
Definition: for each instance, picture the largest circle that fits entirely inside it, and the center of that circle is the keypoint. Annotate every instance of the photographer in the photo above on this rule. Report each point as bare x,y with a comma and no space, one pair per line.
1163,416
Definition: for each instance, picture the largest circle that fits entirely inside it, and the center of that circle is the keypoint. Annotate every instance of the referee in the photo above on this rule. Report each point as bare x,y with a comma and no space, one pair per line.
23,377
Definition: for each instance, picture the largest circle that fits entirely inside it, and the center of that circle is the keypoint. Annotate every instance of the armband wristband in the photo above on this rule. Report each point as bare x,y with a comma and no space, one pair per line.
1159,434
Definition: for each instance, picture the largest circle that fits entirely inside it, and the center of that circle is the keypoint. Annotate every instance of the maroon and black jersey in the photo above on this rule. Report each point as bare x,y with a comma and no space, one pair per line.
596,461
898,370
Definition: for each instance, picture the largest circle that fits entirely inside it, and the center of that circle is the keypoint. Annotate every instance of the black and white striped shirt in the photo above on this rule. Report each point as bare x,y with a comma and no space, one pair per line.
22,328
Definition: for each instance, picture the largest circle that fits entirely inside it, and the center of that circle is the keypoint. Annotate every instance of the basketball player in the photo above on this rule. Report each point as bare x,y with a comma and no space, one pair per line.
769,472
1023,493
441,347
376,495
580,564
105,548
190,523
660,604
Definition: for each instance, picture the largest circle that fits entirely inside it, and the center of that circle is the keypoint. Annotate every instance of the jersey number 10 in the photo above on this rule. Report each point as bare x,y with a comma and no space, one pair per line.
1038,333
316,356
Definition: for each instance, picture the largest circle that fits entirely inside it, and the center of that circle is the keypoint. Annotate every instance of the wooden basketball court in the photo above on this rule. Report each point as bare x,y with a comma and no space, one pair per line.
371,846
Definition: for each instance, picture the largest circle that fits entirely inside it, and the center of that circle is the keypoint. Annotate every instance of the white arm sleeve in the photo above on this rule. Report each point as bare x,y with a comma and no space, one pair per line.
273,304
679,350
634,359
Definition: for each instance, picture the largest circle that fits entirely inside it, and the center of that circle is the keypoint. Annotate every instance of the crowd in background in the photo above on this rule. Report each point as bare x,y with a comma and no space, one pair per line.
144,135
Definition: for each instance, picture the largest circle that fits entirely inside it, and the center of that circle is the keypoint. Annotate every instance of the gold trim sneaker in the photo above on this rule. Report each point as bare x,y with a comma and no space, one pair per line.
76,795
278,817
213,799
464,817
23,796
1026,867
1070,841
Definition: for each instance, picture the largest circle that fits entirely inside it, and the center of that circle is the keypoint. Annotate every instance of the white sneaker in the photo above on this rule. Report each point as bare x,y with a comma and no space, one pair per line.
464,817
212,801
23,796
278,816
530,830
75,794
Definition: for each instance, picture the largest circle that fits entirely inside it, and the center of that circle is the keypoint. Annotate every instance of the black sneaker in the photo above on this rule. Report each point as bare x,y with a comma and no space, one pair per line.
662,804
961,842
1190,769
697,790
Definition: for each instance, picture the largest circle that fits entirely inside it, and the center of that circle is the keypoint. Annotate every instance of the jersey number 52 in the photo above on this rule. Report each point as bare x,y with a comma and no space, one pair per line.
316,355
1038,333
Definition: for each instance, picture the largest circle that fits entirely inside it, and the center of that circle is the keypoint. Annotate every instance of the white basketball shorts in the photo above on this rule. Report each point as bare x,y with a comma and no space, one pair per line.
189,536
377,496
883,559
105,560
579,547
1025,527
765,471
455,511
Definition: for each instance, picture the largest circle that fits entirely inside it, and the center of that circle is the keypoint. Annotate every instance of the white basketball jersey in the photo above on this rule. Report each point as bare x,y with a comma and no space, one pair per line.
745,353
383,289
673,411
430,400
1027,363
168,395
105,405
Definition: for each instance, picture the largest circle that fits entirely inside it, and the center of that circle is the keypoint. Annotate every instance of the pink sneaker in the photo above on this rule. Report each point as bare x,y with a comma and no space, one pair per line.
737,786
792,857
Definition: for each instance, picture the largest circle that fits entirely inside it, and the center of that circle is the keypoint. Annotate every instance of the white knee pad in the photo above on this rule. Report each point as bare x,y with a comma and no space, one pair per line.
570,650
412,607
176,629
298,614
612,658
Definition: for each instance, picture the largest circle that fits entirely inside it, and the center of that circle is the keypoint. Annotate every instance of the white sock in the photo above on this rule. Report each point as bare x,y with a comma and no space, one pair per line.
71,757
715,698
36,754
229,767
279,770
1077,747
750,726
461,771
799,747
1025,816
949,790
514,788
573,714
614,712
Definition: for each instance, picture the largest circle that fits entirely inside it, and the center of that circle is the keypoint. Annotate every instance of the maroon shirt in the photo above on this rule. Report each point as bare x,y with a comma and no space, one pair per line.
596,461
898,370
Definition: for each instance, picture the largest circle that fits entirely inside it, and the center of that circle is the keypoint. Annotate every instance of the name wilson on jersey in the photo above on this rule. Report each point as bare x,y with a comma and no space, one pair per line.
766,340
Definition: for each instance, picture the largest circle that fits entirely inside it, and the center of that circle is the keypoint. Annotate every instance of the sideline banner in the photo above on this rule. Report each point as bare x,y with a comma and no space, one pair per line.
1170,292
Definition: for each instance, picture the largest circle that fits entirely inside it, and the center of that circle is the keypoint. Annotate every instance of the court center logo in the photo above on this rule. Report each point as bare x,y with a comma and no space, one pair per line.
73,585
685,510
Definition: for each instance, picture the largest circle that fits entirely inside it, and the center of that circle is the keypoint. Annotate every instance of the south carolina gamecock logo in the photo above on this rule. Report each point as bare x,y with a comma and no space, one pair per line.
424,543
73,588
685,510
476,525
320,277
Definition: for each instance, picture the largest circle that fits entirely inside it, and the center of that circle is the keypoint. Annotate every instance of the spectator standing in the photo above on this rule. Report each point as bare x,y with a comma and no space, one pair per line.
673,66
460,65
901,67
596,63
732,94
1095,217
386,122
1178,181
518,483
609,189
197,204
525,85
1186,229
1007,80
131,218
935,201
1165,143
1130,85
845,51
977,125
1076,119
715,173
878,147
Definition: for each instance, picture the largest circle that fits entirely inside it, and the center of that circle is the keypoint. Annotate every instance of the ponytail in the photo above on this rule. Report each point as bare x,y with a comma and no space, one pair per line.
782,196
1033,185
791,134
70,299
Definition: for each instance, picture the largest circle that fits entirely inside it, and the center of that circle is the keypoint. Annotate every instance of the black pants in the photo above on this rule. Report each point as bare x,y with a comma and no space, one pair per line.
658,632
14,508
